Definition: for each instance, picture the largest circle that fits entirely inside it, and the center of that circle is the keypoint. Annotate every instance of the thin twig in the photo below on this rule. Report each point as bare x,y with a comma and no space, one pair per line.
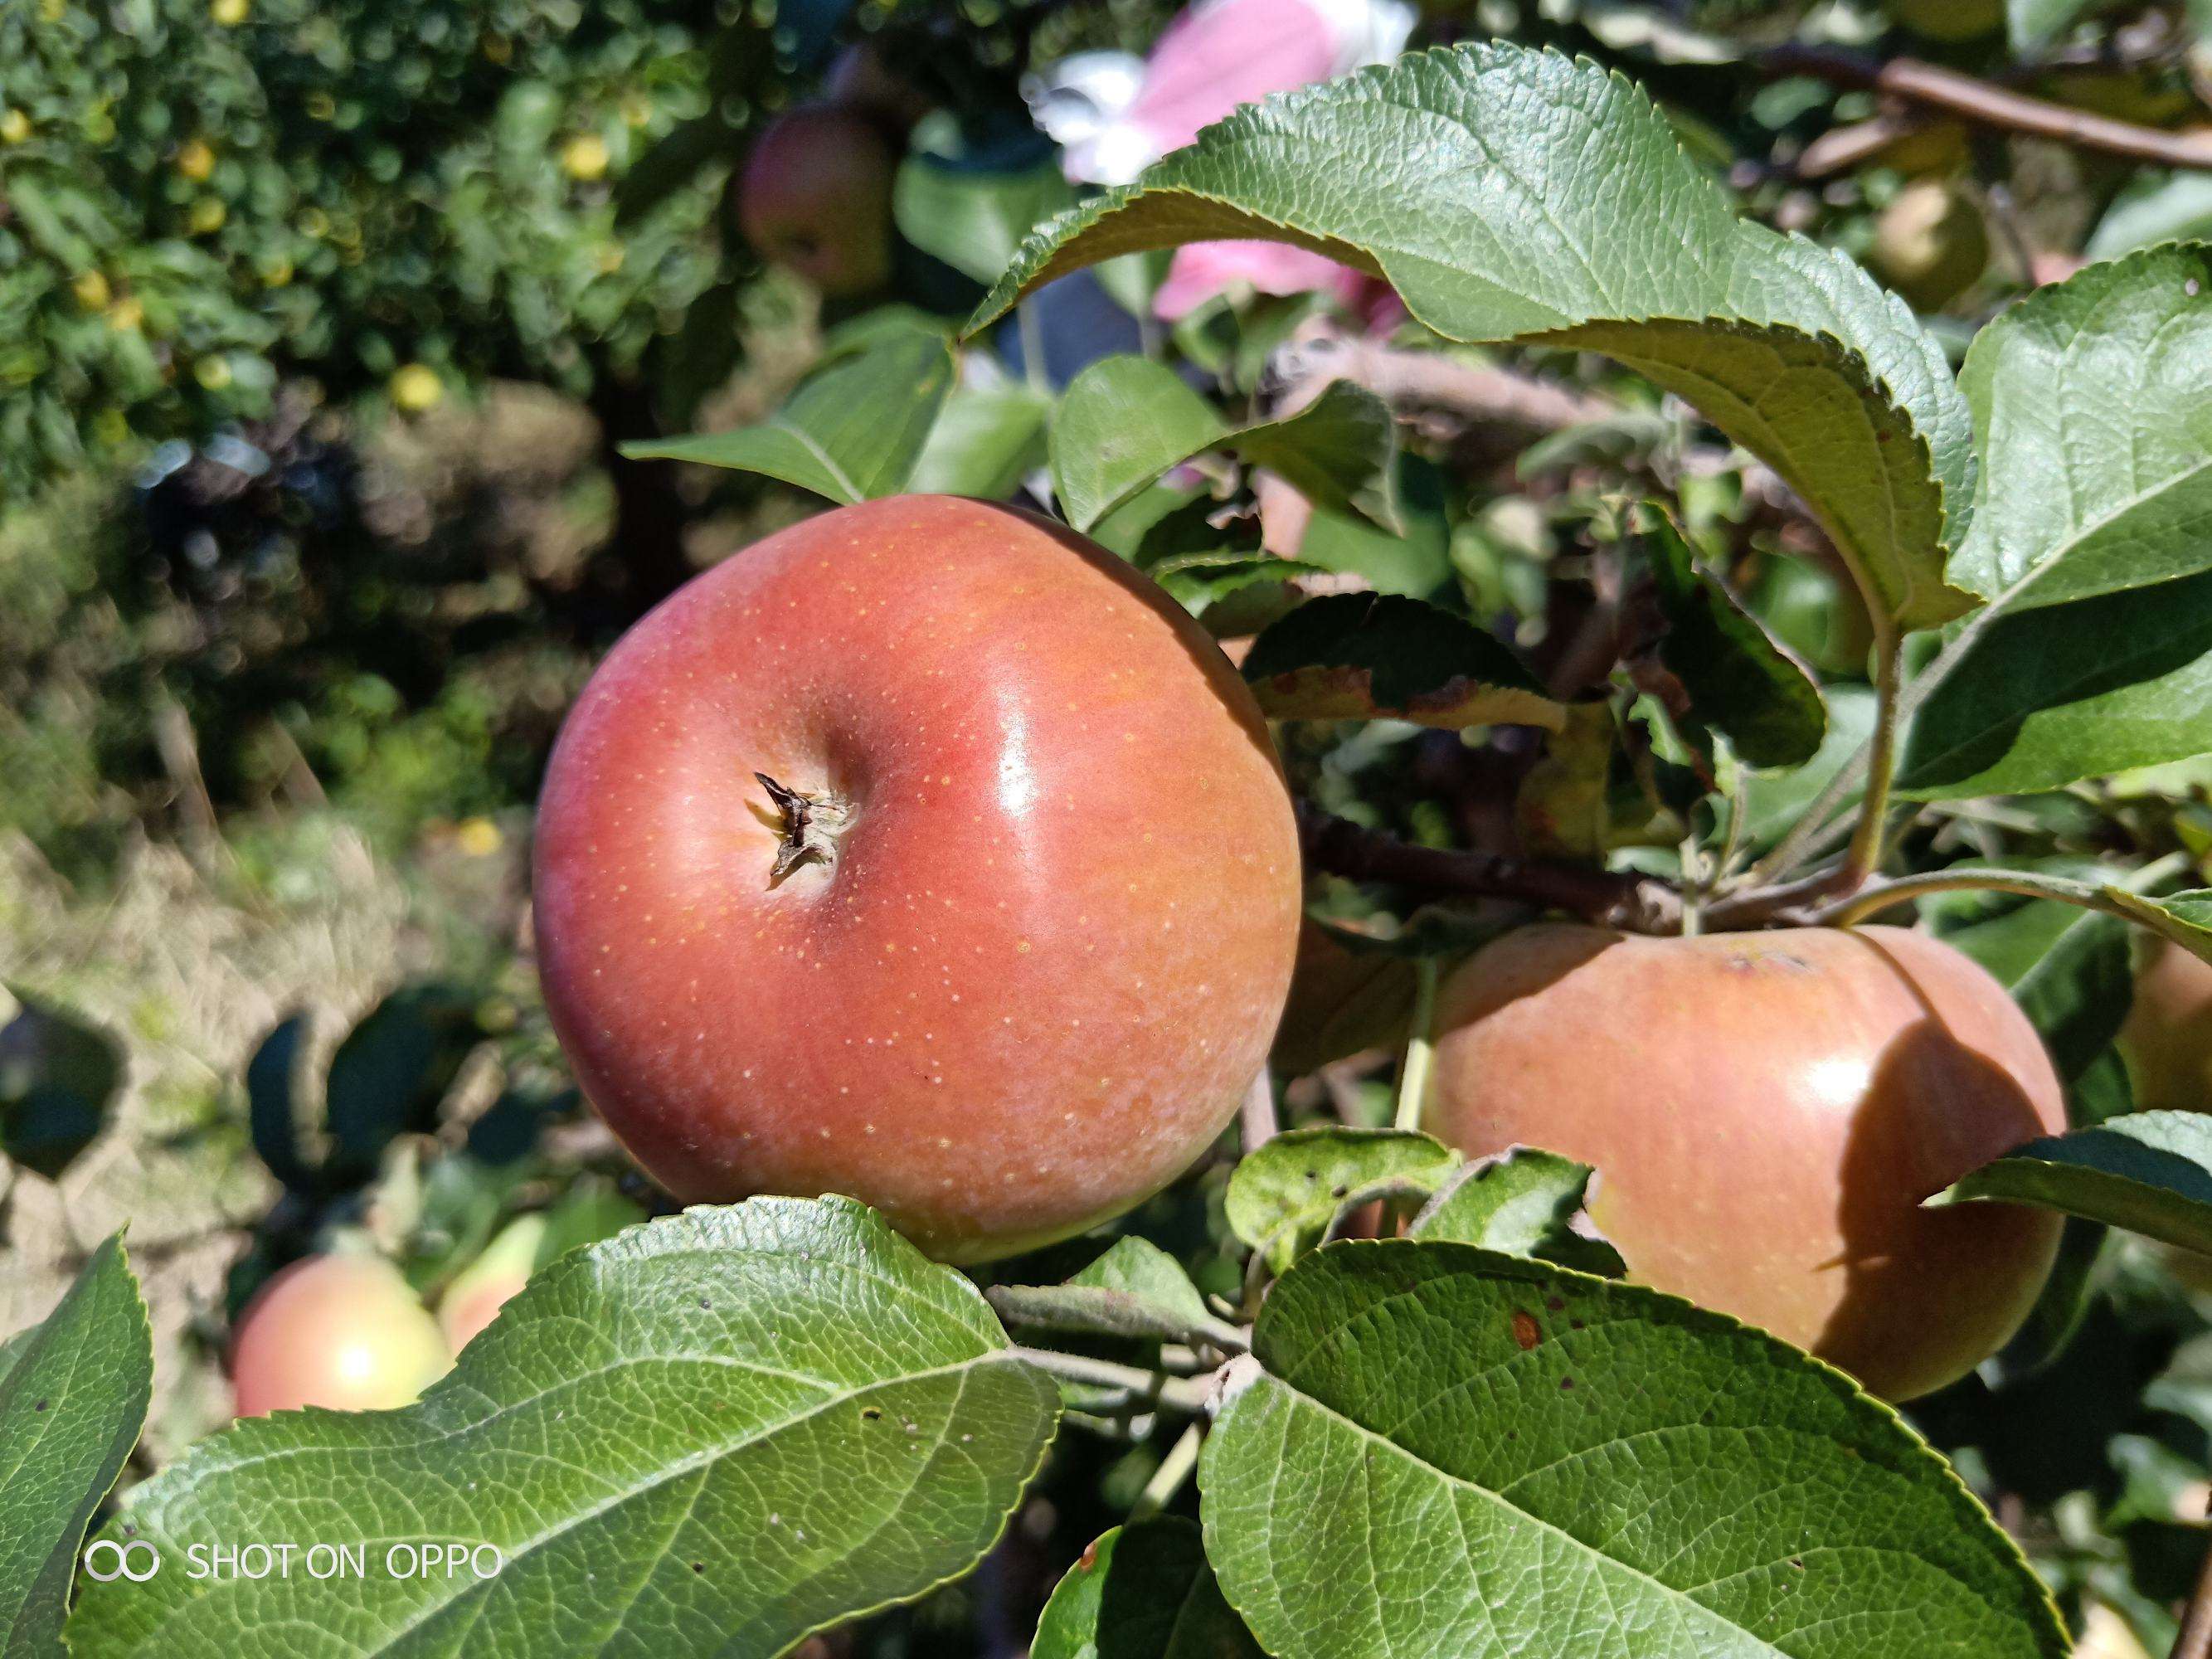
2029,884
1614,899
1174,1468
1988,105
1257,1117
1186,1394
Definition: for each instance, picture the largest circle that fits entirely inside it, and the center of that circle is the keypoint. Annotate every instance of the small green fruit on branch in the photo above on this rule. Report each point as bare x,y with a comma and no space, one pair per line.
1638,904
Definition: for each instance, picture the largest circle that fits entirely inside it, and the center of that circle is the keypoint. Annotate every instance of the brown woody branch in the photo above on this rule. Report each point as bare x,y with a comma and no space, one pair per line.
1914,82
1639,904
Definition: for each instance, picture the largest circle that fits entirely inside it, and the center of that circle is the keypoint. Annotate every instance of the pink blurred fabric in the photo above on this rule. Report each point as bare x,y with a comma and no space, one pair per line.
1217,55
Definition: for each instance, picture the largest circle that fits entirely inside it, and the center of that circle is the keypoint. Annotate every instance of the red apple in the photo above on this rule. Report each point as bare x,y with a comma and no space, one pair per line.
342,1331
1766,1112
924,852
816,197
2168,1038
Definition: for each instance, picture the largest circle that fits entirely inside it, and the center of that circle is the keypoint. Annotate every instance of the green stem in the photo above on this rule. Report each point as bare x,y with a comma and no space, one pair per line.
1865,849
1420,1046
1186,1394
1167,1480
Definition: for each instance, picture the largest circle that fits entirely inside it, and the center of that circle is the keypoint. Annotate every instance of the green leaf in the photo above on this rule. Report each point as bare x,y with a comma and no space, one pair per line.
986,441
1361,656
1198,580
1739,680
971,218
715,1432
1511,194
1283,1195
1773,804
2091,540
73,1396
2148,1172
1522,1204
58,1076
2173,207
2078,994
1436,1449
1142,1591
1414,559
1125,421
1136,1289
2031,25
852,432
1339,451
272,1103
2185,918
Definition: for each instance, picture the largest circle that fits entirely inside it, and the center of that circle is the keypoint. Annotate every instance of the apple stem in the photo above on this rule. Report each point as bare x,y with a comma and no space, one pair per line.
1866,844
1420,1046
807,820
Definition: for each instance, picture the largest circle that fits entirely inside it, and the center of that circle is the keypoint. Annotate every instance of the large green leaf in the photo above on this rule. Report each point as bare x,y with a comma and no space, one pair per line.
710,1434
2149,1172
852,432
1436,1449
73,1395
1356,656
2091,540
974,218
1142,1591
986,441
1511,194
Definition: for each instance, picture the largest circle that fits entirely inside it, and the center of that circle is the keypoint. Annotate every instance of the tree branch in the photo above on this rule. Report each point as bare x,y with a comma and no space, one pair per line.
1640,904
1932,88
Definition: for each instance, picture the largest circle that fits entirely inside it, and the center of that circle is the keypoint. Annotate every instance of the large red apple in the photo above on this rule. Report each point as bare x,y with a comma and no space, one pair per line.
1766,1112
341,1331
923,852
816,197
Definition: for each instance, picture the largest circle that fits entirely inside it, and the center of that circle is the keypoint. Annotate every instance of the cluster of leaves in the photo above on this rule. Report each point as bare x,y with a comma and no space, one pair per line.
203,201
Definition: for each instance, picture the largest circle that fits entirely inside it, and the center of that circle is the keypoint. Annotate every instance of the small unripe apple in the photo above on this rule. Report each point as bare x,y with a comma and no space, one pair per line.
816,197
480,1290
1766,1112
1931,244
2168,1039
926,853
346,1332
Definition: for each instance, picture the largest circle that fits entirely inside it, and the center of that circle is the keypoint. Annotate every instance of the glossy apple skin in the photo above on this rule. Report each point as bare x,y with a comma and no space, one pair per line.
816,197
1766,1112
2168,1039
1058,929
343,1331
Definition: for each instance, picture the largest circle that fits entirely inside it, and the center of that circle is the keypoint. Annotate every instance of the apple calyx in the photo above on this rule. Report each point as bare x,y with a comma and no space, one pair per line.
811,825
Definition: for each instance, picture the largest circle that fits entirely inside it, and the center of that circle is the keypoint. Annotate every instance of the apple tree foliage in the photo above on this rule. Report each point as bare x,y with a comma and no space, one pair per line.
723,1430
